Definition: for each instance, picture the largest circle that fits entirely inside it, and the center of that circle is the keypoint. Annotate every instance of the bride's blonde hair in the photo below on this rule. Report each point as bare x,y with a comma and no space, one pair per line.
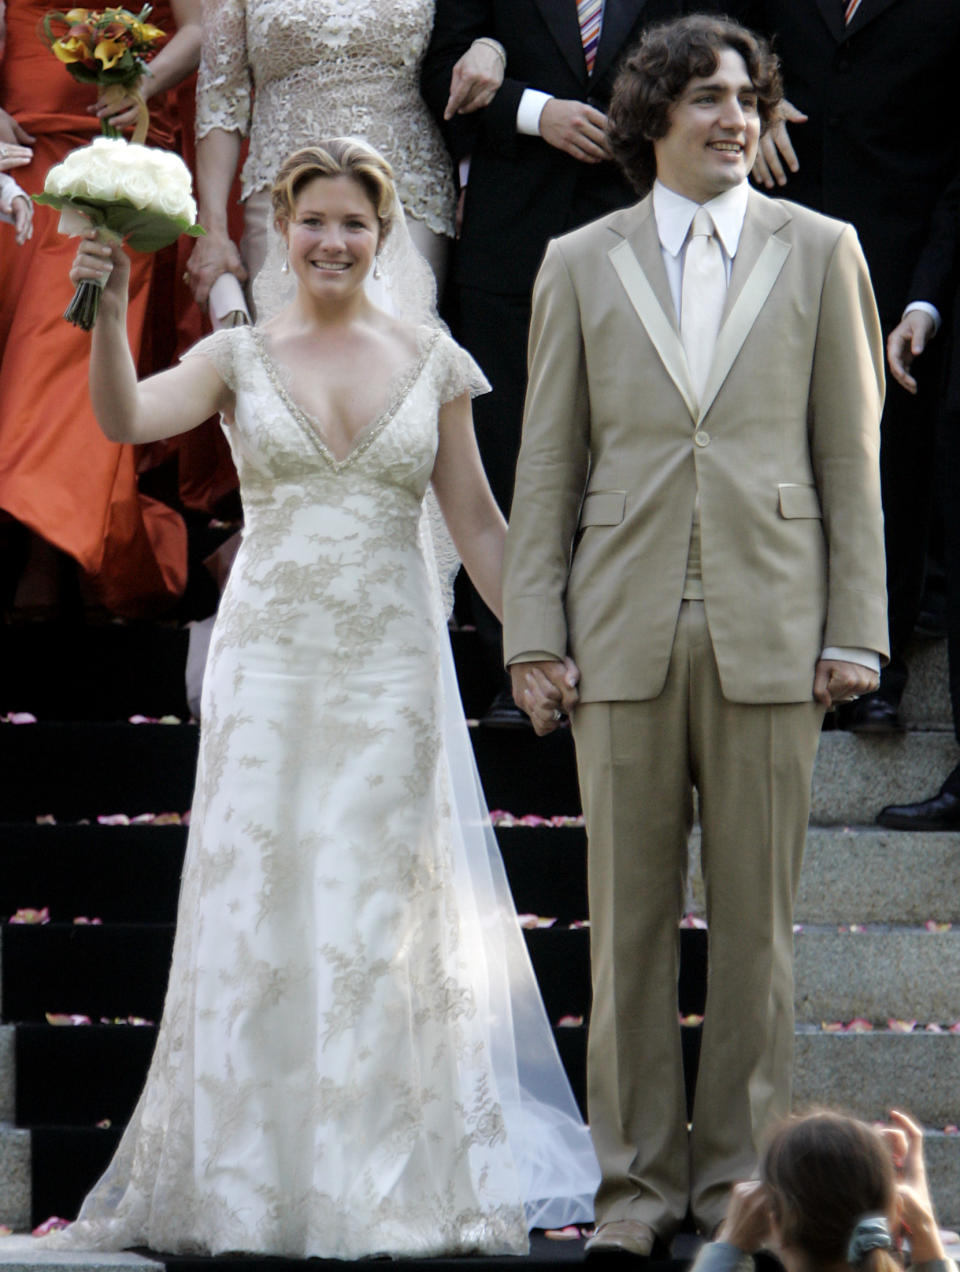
337,157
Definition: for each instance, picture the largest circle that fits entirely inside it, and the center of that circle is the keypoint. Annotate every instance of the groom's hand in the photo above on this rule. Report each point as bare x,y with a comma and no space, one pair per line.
545,690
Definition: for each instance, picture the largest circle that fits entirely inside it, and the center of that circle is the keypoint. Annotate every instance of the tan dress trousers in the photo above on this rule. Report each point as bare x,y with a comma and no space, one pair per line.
638,763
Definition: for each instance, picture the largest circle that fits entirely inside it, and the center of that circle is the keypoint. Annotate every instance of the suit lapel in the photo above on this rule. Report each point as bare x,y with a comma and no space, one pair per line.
832,13
619,19
756,268
560,18
868,10
638,264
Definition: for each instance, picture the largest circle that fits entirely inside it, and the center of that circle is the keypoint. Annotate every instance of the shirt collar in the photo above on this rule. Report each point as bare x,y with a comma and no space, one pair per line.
674,214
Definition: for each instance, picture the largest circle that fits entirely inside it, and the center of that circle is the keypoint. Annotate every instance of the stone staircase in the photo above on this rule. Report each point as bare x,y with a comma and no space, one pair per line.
82,759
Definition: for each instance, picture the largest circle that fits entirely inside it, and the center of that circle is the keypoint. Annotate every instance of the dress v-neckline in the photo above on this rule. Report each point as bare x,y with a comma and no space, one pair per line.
402,383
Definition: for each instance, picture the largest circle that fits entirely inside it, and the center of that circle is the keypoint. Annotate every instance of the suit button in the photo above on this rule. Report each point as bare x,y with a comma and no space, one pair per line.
701,438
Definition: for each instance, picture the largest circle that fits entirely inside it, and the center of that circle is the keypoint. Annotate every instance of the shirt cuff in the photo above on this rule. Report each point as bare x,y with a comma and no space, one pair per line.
868,658
464,172
927,308
529,111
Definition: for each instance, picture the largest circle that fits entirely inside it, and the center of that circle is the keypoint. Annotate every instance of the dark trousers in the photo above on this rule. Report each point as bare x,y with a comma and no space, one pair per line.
494,329
948,471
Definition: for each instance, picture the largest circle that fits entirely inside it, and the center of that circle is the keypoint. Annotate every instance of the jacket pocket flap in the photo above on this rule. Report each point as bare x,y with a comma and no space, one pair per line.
603,508
799,501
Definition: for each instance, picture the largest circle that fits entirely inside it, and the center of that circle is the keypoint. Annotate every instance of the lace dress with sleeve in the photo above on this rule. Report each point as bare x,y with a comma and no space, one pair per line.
353,1058
326,68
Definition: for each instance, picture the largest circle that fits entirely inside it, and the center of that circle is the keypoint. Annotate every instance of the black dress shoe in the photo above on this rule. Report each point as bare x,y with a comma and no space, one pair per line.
503,713
940,813
870,714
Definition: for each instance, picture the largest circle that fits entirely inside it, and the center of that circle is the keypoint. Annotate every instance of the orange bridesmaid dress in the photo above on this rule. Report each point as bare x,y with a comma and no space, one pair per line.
59,475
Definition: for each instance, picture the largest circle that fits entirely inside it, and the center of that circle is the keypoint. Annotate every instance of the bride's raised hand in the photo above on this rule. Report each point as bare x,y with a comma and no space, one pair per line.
103,262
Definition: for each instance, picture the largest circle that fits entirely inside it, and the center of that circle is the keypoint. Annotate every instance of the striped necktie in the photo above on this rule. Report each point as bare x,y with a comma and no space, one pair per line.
849,9
588,12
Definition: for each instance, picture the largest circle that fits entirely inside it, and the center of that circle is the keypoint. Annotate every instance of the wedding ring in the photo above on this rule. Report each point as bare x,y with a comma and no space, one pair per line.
557,715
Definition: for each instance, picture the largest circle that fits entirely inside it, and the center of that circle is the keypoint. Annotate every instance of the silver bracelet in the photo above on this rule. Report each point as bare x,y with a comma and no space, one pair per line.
495,45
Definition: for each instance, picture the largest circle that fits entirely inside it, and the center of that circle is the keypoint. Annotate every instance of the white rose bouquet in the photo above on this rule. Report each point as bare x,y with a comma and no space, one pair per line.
133,193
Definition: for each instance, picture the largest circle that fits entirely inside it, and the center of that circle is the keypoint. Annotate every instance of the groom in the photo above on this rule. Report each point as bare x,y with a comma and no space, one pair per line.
696,527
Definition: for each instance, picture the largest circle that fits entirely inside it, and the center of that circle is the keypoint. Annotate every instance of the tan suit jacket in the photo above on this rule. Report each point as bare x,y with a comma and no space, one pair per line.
783,450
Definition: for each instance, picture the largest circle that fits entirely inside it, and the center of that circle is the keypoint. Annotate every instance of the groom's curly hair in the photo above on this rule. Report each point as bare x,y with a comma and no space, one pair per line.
655,74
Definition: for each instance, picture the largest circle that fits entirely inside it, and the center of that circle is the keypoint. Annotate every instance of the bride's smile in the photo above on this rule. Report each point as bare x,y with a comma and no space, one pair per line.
334,234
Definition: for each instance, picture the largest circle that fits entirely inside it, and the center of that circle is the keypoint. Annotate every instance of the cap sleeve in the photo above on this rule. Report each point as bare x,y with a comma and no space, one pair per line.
457,372
220,348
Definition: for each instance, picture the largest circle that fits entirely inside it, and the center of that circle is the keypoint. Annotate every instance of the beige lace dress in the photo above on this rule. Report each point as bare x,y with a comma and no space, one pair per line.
330,68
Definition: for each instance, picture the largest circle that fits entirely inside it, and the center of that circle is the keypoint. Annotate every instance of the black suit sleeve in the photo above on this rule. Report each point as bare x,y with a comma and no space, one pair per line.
937,272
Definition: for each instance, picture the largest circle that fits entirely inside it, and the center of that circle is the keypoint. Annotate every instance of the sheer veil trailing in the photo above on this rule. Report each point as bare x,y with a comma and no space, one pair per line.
555,1160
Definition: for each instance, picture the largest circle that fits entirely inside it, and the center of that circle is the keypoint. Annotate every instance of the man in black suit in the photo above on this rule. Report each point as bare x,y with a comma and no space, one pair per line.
538,166
934,294
875,81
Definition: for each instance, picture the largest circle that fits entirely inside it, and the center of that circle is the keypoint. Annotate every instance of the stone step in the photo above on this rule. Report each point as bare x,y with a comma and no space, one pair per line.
926,701
867,1074
943,1171
14,1175
856,775
905,973
19,1254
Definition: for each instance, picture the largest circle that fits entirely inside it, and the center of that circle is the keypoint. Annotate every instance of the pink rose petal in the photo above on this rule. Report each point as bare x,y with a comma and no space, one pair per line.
167,819
951,1129
53,1224
82,921
113,819
61,1018
142,719
570,1233
27,915
104,1125
569,1022
691,1020
169,719
693,921
859,1025
933,1028
933,926
832,1026
45,819
577,924
20,717
901,1026
851,927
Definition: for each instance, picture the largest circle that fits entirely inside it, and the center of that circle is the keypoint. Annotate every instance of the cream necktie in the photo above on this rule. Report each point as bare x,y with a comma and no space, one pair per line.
702,294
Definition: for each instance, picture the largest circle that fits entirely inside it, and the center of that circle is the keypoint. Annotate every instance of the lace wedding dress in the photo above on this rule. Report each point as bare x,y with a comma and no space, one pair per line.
353,1057
325,69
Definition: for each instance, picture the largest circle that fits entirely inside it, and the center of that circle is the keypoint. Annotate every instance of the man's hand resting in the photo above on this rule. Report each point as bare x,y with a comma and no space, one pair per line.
546,691
576,128
835,681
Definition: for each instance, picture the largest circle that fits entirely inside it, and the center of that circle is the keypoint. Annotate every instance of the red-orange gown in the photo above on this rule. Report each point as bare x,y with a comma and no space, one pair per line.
58,474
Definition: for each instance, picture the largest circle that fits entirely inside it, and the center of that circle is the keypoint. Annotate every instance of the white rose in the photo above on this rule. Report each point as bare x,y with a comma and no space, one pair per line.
137,186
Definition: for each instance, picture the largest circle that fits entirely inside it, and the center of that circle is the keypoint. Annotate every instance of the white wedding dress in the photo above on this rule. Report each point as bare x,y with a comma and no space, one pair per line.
353,1058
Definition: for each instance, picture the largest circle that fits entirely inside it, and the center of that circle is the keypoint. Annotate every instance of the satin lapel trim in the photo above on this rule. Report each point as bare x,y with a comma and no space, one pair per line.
619,19
560,19
662,332
743,314
832,12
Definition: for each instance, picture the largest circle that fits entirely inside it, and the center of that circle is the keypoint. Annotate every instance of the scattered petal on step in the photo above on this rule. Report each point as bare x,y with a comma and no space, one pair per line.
104,1125
125,1020
82,921
113,819
142,719
46,819
859,1025
569,1022
531,921
62,1018
169,719
901,1026
851,927
570,1233
692,1020
167,819
797,927
579,923
53,1224
933,926
951,1129
955,1027
28,915
832,1026
933,1027
185,818
5,1231
693,921
19,717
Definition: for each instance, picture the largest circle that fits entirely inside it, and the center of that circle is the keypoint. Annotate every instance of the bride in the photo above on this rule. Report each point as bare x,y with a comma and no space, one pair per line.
353,1058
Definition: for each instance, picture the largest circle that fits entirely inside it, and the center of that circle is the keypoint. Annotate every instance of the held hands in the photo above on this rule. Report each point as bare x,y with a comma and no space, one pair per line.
98,260
905,1140
475,80
836,681
775,145
747,1222
576,128
907,341
213,255
545,690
